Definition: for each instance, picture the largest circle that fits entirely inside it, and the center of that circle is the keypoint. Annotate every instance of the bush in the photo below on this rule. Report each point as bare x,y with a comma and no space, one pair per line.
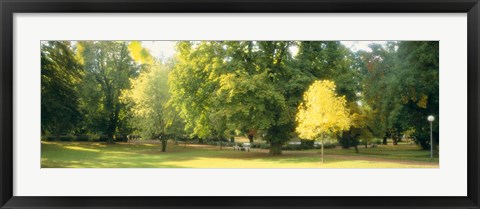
83,138
253,145
329,145
292,147
224,143
121,139
257,145
229,144
66,138
309,144
50,138
348,139
376,141
102,138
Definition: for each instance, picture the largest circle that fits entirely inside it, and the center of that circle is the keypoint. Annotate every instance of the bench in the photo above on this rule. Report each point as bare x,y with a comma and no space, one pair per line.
243,147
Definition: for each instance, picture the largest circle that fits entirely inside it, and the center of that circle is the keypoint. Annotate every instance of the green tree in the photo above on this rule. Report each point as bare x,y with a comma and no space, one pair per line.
401,85
108,69
192,82
154,117
60,75
418,88
219,87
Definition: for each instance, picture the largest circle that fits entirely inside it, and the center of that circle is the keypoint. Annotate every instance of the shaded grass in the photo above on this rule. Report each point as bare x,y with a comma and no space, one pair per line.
141,155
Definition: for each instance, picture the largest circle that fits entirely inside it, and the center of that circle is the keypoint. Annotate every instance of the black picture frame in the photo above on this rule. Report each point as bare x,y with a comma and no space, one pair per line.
9,7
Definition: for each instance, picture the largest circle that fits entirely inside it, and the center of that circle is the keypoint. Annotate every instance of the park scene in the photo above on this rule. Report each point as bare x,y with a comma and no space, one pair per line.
240,104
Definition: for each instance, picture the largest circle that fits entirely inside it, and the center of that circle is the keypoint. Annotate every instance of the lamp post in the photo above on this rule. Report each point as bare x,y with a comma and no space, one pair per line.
431,119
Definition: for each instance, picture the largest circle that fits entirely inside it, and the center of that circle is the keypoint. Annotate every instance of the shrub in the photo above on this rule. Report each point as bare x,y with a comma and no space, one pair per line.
305,146
329,145
253,145
257,145
102,138
309,144
229,144
376,141
348,139
66,138
121,139
50,138
292,147
83,138
223,143
264,146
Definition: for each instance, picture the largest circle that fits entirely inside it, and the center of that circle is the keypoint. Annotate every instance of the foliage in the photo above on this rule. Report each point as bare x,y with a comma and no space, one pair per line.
322,111
220,87
108,69
154,117
401,86
272,90
60,76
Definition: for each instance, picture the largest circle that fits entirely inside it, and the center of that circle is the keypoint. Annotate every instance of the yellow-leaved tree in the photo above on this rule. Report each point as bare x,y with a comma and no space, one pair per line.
322,112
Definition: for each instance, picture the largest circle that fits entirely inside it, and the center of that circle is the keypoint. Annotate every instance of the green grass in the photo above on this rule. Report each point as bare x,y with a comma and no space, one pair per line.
143,155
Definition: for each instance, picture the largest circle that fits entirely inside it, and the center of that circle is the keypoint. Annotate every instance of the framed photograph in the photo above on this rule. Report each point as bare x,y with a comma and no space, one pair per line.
239,104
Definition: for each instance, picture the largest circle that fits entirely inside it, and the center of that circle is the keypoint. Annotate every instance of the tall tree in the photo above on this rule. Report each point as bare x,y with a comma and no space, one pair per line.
219,87
417,88
154,116
60,75
401,86
108,67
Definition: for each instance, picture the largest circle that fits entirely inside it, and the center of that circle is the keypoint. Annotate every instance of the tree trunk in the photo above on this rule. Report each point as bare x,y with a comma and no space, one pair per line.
356,149
57,136
57,131
110,138
164,145
112,125
384,140
250,138
232,139
251,134
366,144
275,149
322,149
221,144
395,138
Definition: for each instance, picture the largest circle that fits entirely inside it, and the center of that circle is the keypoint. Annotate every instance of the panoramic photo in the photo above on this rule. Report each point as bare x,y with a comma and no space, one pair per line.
239,104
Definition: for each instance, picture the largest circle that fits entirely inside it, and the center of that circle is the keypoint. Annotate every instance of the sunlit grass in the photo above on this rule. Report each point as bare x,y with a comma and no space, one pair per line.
139,155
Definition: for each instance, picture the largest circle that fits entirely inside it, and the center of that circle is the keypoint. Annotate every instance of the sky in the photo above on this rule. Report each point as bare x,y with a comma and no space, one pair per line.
166,49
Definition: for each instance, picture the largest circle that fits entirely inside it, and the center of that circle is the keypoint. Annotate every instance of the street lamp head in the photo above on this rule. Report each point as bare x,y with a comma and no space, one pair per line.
431,118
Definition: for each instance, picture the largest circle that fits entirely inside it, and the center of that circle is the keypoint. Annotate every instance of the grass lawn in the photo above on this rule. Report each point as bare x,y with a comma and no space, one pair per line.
148,155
